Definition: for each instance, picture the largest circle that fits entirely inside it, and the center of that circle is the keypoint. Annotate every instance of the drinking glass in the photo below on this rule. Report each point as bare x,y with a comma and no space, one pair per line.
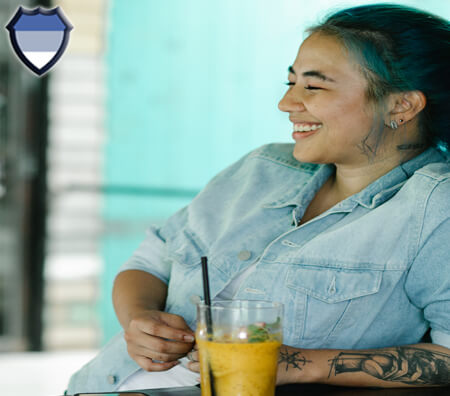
238,342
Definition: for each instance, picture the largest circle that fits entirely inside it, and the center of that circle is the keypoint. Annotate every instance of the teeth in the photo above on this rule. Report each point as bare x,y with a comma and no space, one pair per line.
306,127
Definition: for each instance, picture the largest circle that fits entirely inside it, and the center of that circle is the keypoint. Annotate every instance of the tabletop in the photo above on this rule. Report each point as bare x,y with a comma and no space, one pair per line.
303,390
325,390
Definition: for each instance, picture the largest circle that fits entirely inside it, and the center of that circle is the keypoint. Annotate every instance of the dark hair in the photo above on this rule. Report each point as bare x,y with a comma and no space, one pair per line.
400,49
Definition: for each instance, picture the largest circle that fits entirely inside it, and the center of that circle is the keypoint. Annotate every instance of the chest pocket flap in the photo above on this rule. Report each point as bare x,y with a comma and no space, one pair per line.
186,248
333,285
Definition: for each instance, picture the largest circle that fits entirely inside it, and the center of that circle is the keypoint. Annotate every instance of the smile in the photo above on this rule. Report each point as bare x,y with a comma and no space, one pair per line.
306,127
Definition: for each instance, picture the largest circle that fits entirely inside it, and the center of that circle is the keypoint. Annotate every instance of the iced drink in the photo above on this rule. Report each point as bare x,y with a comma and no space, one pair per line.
241,354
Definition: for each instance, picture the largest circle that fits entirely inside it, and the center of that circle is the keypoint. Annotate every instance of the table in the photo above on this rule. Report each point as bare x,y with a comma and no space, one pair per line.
312,390
325,390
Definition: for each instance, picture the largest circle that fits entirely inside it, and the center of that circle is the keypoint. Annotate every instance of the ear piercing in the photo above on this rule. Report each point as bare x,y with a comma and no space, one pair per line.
394,124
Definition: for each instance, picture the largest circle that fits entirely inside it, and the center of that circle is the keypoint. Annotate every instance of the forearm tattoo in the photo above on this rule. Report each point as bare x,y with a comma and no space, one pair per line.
410,365
294,359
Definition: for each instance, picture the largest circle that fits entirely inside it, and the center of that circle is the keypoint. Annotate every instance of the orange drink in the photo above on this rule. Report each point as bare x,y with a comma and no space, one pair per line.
241,354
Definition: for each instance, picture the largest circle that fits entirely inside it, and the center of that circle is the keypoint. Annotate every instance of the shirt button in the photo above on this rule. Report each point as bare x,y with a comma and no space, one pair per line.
194,299
112,379
244,255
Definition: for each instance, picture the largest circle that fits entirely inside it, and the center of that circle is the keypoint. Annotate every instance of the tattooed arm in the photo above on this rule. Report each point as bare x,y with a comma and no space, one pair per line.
409,365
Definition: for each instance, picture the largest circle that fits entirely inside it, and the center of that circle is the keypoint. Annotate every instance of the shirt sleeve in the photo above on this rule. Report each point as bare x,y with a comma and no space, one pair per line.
428,283
151,255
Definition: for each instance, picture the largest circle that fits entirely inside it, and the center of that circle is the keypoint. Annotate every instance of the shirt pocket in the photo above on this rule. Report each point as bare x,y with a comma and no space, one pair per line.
327,294
184,289
186,249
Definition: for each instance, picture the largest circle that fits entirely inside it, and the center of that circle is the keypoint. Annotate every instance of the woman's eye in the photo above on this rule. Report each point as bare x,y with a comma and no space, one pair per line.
310,87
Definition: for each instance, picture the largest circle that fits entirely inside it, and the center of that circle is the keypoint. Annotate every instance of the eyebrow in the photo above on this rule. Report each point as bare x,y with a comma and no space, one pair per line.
312,73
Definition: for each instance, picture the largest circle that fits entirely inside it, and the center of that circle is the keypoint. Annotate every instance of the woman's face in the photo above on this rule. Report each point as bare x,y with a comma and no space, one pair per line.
327,104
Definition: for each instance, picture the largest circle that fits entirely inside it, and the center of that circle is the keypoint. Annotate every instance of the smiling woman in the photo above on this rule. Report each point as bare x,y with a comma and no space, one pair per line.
347,227
333,117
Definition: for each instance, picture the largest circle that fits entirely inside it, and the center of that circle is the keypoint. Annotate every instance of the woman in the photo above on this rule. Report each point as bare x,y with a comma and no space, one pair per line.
348,228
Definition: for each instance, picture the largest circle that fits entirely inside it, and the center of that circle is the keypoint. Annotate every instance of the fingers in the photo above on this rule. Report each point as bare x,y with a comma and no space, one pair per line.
175,321
194,360
149,365
165,326
158,344
194,366
151,338
193,356
157,350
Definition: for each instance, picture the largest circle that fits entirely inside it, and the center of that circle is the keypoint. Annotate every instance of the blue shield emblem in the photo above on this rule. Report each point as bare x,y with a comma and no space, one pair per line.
39,37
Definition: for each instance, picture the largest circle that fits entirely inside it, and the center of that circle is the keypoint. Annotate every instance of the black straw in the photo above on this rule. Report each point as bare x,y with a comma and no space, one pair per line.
207,297
209,327
206,293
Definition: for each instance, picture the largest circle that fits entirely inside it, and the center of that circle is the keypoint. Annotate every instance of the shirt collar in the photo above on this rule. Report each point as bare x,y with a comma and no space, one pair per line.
303,193
387,185
373,195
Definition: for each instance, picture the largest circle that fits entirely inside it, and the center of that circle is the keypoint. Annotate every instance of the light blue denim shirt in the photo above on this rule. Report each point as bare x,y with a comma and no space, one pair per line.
372,271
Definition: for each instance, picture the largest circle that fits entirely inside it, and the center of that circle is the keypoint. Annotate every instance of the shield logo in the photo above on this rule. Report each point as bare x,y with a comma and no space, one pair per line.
39,37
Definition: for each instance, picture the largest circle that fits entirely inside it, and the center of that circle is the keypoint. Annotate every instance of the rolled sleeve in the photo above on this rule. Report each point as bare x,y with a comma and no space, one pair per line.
428,283
440,338
150,256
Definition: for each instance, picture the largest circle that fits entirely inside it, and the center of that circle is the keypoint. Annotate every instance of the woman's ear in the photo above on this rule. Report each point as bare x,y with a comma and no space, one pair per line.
404,106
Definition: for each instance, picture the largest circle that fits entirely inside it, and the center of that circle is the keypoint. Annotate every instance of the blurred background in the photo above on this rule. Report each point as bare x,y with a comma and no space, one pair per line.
150,100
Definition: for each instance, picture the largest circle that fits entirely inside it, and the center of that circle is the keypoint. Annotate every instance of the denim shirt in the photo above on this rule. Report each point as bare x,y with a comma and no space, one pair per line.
372,271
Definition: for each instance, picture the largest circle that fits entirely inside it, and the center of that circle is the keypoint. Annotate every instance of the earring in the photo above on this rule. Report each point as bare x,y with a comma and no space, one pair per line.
394,124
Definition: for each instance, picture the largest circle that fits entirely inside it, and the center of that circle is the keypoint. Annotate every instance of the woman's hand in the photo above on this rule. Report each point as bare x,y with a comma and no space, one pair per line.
194,360
156,340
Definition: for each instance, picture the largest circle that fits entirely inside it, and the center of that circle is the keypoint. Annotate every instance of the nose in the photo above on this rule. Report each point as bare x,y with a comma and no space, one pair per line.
291,102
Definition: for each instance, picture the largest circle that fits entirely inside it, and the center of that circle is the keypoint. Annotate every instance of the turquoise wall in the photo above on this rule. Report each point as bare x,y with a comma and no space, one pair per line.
192,86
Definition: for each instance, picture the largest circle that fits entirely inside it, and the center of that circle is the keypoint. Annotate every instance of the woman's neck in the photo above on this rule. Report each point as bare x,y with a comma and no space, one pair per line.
351,179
